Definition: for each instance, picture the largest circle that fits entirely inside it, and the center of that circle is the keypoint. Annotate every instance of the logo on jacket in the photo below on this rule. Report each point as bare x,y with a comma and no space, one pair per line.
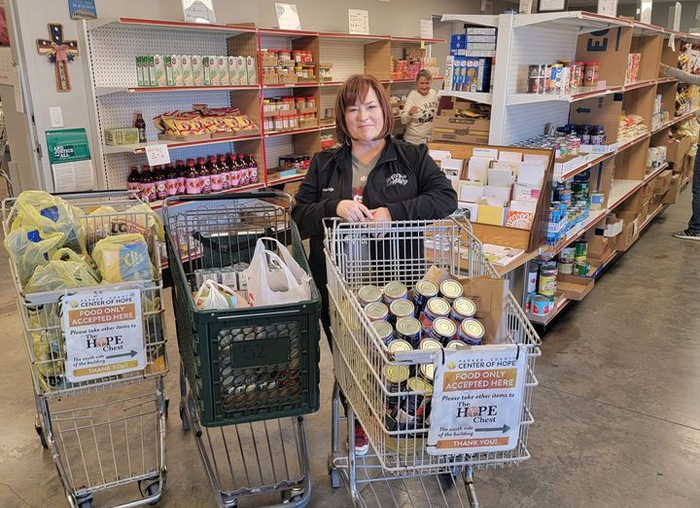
397,179
327,189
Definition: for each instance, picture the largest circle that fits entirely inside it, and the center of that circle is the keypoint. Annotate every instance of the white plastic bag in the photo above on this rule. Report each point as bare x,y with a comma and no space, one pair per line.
212,295
274,280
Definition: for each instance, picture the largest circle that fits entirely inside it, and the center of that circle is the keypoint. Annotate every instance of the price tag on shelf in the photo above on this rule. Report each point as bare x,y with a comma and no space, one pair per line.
157,155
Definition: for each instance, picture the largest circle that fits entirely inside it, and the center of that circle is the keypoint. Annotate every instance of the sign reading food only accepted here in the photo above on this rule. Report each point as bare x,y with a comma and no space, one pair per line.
104,333
477,400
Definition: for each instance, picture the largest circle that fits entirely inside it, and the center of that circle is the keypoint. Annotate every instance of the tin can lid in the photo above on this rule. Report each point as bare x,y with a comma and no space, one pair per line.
395,290
445,327
429,343
438,306
397,345
408,326
456,344
427,288
428,371
473,328
383,329
402,308
369,294
451,288
416,384
376,310
396,373
464,306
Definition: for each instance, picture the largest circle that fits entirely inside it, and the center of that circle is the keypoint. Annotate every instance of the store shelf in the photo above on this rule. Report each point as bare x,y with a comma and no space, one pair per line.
170,25
580,93
621,190
516,263
254,186
106,90
484,98
286,179
594,217
655,173
416,40
314,84
653,215
583,167
559,305
141,147
287,33
291,132
585,21
472,19
624,145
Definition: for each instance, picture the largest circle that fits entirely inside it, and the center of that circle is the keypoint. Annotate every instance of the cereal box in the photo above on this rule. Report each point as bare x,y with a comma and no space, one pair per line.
241,70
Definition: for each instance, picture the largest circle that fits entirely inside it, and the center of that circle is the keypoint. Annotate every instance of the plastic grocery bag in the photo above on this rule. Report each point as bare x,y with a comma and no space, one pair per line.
155,222
56,275
212,295
49,214
275,279
123,258
30,248
66,254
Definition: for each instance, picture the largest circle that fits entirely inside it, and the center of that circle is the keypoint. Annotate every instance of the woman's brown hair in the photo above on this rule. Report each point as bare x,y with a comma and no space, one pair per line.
354,88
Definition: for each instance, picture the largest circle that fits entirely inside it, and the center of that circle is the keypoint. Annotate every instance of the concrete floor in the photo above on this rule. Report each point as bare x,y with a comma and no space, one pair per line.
617,418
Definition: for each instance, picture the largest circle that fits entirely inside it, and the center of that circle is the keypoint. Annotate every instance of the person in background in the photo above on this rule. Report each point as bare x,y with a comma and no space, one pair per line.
369,178
692,232
420,110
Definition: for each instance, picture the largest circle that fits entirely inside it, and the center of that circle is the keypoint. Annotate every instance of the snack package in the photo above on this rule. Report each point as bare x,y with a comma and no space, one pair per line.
30,248
56,275
123,258
45,213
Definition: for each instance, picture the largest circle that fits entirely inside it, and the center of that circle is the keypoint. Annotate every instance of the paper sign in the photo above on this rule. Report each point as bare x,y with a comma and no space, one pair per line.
69,156
607,7
157,155
82,9
674,16
198,11
358,21
287,16
645,11
525,7
426,28
104,333
477,400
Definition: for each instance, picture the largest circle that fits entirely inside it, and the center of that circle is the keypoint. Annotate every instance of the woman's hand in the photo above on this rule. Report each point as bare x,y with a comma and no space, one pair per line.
413,110
353,211
381,214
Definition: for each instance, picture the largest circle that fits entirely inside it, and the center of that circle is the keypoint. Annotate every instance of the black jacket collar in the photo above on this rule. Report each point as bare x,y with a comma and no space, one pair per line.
344,155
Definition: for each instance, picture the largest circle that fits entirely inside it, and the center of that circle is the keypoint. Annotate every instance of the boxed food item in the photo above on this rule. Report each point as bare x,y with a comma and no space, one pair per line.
197,70
251,70
222,67
186,61
458,44
206,77
169,81
159,70
176,61
241,70
121,136
150,64
139,71
214,77
232,62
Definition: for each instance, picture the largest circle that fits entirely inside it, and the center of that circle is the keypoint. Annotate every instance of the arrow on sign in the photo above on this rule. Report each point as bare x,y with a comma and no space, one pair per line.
503,429
131,353
583,110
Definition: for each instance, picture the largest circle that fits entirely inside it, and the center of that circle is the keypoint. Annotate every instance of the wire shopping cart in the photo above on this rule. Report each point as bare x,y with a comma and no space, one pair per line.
399,471
104,423
249,374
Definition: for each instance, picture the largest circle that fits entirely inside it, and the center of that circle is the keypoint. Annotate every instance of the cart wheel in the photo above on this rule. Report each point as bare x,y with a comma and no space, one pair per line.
335,478
167,406
183,417
292,495
42,437
84,502
149,488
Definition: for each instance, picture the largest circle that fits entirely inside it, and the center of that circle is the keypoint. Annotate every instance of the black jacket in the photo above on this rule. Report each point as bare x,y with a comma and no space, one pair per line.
406,180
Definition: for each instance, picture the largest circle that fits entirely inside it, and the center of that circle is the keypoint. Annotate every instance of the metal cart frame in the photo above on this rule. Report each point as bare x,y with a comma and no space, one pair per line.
104,433
247,375
358,254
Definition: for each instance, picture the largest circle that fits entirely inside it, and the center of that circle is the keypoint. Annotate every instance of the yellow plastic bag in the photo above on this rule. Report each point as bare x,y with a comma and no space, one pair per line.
48,214
66,254
56,275
155,222
123,258
30,248
47,347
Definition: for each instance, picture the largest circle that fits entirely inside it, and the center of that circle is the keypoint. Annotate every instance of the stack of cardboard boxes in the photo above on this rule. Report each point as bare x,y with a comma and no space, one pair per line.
462,121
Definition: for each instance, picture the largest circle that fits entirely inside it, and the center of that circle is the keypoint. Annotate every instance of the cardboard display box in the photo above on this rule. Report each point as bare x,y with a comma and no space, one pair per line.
573,287
630,230
461,130
662,182
673,192
677,151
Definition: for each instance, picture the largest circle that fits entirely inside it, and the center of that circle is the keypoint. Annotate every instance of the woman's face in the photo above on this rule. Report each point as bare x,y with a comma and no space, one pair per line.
423,85
365,119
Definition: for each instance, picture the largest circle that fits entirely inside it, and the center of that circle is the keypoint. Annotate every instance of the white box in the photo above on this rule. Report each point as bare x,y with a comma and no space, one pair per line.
224,77
206,77
477,30
481,38
241,70
233,70
186,62
214,77
197,71
139,71
176,61
159,70
252,70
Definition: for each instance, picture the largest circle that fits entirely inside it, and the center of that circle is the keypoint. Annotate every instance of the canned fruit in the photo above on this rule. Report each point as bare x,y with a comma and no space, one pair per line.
369,294
443,330
462,308
409,329
450,289
471,332
377,311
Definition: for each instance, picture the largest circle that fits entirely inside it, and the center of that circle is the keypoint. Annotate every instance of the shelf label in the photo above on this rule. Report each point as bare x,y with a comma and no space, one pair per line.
157,155
104,333
358,21
477,400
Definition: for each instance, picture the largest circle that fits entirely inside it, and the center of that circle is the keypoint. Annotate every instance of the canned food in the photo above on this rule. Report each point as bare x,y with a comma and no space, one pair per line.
424,291
401,309
394,291
567,255
462,308
548,281
590,74
398,345
536,84
416,404
566,268
369,294
456,344
435,308
384,330
427,371
443,330
377,311
540,305
581,249
450,289
428,343
471,332
395,377
409,329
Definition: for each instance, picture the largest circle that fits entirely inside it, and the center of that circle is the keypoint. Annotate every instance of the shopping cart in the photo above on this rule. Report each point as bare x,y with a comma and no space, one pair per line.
247,375
107,431
400,471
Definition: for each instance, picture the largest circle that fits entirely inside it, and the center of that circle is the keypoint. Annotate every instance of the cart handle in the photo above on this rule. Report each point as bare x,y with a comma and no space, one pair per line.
172,201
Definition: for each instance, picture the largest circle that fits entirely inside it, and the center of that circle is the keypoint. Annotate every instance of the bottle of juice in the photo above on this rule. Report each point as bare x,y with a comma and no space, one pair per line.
148,188
224,170
140,124
204,176
245,173
181,173
235,170
171,182
215,172
133,182
252,168
192,182
159,182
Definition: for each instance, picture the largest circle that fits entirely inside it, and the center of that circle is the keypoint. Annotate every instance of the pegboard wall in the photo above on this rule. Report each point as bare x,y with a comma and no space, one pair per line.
346,55
527,120
277,147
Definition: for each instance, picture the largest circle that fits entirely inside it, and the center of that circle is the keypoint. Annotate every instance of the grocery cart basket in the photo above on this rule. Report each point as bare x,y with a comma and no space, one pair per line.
248,374
399,470
105,431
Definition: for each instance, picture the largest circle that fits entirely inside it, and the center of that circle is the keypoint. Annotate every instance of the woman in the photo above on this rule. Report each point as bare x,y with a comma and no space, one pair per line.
420,109
370,178
692,232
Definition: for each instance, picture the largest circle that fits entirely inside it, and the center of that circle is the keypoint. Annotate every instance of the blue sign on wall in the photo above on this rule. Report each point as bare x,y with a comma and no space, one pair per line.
82,9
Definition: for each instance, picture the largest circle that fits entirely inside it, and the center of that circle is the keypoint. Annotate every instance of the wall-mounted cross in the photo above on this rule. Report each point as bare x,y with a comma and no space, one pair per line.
60,52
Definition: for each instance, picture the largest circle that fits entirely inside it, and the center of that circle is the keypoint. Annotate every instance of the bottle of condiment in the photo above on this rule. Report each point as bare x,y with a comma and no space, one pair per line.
192,182
148,189
204,176
133,182
181,173
140,124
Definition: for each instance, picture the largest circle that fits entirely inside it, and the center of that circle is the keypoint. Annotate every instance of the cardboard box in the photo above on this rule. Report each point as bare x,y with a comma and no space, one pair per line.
677,151
461,130
673,192
287,78
458,44
186,66
629,235
573,287
662,182
599,246
477,30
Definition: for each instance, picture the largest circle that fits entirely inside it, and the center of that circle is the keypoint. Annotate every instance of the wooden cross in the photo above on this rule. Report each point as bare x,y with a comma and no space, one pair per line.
60,52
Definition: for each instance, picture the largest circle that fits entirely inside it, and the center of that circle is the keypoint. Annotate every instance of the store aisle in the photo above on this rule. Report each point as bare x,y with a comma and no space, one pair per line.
616,419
